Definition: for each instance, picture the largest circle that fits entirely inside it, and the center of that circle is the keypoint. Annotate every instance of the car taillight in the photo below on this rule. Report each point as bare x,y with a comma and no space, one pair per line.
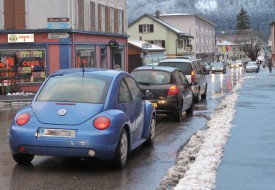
22,119
192,76
173,90
102,123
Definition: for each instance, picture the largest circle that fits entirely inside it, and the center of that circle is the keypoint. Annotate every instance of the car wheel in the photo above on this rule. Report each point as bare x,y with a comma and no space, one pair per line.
151,139
198,97
24,159
190,110
121,154
177,115
203,96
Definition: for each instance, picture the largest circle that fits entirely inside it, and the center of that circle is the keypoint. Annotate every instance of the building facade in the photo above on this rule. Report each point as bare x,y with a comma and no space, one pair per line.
38,37
273,41
204,43
152,29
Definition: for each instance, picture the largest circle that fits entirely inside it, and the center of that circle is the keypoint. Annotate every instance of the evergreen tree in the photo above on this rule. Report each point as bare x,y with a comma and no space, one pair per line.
243,20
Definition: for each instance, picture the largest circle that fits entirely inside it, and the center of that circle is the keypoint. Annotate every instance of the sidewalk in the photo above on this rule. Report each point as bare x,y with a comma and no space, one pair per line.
249,156
16,98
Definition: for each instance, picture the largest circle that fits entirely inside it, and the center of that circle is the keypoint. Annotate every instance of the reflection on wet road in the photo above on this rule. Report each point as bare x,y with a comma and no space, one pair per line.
146,166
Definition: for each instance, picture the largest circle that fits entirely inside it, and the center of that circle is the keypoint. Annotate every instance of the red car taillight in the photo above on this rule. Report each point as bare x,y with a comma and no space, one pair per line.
173,90
192,76
22,119
102,123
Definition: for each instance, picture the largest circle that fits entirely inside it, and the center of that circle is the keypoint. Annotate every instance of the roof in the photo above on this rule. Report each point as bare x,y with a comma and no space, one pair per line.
99,71
165,24
138,44
160,68
189,14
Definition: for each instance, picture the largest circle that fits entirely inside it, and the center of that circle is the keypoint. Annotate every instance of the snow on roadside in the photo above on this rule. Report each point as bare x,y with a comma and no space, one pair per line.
197,164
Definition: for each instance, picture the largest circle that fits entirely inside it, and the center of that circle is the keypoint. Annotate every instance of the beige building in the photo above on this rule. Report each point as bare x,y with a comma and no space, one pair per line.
158,32
203,30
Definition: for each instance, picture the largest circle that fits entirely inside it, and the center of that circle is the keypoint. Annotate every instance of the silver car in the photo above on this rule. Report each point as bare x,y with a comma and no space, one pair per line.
193,71
252,66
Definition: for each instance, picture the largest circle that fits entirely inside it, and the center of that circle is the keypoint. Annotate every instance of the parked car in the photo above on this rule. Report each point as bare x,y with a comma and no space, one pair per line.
84,113
194,73
252,66
172,93
218,67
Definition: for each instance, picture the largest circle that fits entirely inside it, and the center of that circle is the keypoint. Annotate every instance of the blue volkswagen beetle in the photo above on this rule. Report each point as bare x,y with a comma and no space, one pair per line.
84,113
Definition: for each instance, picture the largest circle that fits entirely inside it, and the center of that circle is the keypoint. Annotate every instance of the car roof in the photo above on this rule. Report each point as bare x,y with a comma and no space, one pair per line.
177,60
160,68
98,71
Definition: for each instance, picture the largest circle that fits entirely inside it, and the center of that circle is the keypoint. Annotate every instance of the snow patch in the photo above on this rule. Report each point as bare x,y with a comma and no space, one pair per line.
197,164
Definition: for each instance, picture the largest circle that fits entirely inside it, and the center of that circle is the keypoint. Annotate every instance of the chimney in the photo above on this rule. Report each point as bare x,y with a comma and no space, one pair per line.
157,14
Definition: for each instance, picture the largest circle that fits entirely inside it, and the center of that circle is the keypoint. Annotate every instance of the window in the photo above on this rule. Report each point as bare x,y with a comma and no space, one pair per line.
146,28
85,58
14,14
101,18
27,65
180,44
135,91
123,94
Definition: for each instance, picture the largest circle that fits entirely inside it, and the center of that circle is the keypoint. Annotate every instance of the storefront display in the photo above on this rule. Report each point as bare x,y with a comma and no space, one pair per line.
29,66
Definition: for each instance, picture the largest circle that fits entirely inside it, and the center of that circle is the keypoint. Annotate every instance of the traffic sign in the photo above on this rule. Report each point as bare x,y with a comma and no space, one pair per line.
58,35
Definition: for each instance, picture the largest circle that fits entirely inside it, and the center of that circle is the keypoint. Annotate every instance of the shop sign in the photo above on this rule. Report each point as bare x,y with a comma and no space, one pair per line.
59,23
20,38
58,35
113,44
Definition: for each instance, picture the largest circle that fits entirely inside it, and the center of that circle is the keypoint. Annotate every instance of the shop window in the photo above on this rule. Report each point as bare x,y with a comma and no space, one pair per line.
85,58
27,65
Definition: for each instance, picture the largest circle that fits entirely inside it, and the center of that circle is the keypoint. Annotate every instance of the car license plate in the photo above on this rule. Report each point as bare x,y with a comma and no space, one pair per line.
155,105
57,133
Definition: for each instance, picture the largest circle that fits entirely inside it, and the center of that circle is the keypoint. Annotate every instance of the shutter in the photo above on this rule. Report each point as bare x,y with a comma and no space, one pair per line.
116,21
92,15
107,19
122,21
81,14
9,16
140,28
20,14
151,28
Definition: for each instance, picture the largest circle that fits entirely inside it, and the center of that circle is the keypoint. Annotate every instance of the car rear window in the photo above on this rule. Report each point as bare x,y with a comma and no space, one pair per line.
185,67
77,87
152,76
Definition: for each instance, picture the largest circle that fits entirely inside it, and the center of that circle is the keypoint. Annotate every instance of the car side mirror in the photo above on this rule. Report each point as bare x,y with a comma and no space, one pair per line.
148,95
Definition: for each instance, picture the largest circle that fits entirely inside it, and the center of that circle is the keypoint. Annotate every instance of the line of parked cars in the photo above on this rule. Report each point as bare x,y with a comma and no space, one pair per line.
87,113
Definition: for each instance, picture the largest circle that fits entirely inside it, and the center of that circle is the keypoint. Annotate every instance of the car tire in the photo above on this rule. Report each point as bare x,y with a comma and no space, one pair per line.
190,110
203,96
23,159
121,154
151,139
178,114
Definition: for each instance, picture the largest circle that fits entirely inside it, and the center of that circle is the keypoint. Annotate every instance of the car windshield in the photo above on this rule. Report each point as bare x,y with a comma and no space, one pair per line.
77,87
151,77
185,67
251,64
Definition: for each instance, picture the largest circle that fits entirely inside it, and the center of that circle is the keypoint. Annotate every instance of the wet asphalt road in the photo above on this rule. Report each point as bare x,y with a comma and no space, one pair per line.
146,166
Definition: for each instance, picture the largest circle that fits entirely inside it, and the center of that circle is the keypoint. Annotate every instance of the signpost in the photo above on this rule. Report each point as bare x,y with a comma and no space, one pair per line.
58,35
59,23
112,44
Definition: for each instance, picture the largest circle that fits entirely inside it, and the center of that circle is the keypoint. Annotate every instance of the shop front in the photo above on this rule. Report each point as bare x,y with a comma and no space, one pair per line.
26,60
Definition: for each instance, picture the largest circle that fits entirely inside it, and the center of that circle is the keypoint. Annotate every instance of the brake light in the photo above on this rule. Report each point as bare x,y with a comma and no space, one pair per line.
192,76
22,119
102,123
173,90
